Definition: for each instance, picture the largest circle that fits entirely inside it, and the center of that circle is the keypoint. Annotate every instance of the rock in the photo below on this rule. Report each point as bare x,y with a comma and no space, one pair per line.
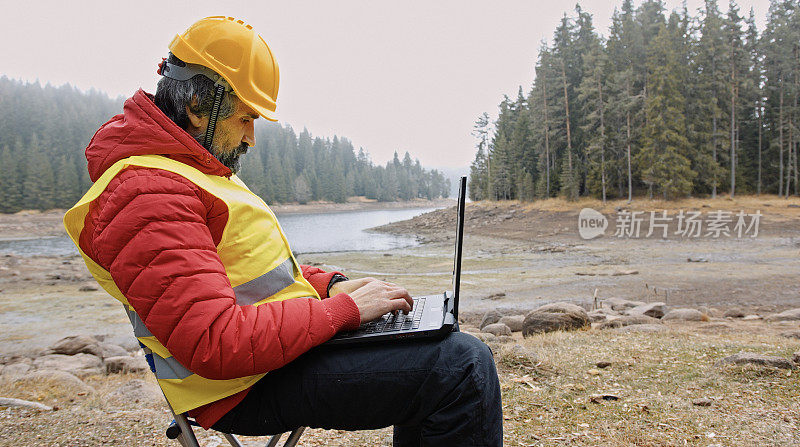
58,382
514,322
702,402
485,337
791,334
749,358
15,358
490,317
126,363
642,328
710,311
620,304
495,296
603,364
497,329
76,344
81,365
684,315
554,317
599,398
699,259
602,314
796,357
16,369
627,320
734,313
788,315
751,317
655,310
137,391
11,402
126,342
112,350
87,289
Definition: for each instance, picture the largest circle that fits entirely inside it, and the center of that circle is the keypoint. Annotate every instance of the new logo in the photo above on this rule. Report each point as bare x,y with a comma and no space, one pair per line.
591,223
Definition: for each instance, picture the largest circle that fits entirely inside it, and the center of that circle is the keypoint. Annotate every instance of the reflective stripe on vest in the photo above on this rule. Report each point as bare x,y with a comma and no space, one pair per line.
253,249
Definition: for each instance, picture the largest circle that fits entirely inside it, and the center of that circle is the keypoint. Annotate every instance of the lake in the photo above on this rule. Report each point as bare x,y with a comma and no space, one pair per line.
307,233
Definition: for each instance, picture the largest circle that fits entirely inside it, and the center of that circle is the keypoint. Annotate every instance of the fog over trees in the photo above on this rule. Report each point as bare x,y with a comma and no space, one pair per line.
44,131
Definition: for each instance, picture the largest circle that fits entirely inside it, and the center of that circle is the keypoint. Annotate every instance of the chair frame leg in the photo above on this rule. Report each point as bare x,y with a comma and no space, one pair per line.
294,436
187,437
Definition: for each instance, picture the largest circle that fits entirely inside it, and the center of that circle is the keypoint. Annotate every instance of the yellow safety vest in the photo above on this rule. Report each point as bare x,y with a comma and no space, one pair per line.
257,259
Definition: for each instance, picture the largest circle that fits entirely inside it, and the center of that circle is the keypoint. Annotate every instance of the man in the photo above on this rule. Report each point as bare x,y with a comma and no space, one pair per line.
211,286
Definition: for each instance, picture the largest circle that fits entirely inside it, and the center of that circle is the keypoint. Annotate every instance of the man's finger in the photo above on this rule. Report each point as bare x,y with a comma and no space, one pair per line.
402,294
398,304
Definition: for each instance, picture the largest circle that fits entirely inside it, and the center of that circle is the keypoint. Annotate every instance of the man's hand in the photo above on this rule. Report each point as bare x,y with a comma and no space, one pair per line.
349,286
375,298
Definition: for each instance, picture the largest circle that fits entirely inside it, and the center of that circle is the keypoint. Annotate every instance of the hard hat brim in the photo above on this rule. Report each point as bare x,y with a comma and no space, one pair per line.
265,113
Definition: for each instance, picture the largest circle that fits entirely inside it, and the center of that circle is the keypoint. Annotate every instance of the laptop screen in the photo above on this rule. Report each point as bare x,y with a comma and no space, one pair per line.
462,193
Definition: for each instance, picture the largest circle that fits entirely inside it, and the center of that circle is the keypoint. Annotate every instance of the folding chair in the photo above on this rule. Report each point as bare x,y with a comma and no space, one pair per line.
181,427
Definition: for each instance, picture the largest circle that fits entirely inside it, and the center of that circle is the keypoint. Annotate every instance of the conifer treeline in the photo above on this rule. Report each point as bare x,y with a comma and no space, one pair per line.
44,131
669,105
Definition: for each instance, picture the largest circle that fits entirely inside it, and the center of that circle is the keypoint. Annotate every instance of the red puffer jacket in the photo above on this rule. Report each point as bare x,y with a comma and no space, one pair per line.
168,268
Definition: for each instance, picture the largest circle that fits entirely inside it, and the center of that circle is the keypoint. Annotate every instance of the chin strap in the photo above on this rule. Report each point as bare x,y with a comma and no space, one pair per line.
187,71
212,118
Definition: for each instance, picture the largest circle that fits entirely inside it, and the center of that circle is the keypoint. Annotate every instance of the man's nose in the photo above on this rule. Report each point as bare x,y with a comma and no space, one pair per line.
249,137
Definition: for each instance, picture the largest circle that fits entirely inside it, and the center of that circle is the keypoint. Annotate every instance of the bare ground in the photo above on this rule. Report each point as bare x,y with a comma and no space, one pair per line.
532,255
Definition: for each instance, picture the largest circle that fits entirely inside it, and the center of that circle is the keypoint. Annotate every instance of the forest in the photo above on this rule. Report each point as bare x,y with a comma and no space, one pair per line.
667,105
45,129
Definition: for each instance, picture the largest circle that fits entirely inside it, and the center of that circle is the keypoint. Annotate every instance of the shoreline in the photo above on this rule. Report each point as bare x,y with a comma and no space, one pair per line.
326,207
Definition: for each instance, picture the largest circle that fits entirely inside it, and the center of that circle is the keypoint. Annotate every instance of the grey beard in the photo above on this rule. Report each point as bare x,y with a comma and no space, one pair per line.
228,159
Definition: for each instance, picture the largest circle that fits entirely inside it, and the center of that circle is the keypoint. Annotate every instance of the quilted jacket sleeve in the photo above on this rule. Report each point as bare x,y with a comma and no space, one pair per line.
318,278
150,230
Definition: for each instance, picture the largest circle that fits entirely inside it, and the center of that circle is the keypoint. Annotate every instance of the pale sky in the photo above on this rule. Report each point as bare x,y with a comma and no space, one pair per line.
405,76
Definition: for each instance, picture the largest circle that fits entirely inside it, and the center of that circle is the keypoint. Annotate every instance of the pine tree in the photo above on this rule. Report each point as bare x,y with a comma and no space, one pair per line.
662,160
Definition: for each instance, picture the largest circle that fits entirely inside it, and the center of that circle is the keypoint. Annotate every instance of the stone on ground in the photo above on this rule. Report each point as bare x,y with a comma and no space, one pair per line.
621,304
76,344
497,329
788,315
734,313
684,315
641,328
601,314
554,317
16,369
81,365
655,310
112,350
490,317
627,320
750,358
19,403
514,322
126,363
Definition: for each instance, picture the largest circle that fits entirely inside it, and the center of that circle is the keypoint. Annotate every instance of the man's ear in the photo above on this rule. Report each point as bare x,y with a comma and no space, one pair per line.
194,120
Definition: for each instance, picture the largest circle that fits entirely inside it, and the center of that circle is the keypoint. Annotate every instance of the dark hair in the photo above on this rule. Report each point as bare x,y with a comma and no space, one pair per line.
173,96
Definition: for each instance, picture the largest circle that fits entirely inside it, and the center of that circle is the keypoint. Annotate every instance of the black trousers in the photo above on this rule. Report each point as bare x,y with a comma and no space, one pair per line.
434,393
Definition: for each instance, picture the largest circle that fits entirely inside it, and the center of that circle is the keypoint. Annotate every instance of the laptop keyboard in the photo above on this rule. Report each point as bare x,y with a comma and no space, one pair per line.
401,321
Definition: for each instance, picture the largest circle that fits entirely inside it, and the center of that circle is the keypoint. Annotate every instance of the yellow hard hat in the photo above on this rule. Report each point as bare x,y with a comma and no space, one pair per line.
231,48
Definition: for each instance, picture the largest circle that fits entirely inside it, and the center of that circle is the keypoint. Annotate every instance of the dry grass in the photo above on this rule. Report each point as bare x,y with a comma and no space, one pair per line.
654,376
771,202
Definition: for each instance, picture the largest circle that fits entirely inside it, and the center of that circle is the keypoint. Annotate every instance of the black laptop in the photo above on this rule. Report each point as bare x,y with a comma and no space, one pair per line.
432,316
